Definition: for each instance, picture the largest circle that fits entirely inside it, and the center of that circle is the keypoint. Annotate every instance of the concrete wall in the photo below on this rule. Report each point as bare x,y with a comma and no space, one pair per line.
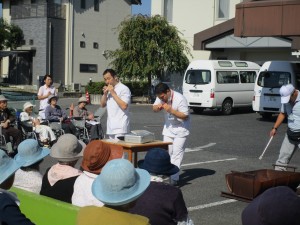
37,30
91,26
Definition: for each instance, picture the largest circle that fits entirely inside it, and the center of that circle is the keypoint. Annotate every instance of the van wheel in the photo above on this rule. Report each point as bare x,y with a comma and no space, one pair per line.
198,110
227,108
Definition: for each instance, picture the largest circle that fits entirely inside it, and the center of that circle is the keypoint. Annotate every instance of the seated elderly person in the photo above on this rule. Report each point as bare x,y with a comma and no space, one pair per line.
10,212
54,113
81,111
30,155
31,121
58,181
162,203
6,118
95,156
118,186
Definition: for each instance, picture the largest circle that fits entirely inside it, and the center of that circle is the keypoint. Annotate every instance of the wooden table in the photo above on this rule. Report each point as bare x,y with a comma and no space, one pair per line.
134,148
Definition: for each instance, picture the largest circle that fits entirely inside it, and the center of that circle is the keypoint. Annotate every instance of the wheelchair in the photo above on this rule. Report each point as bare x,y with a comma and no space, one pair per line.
84,129
57,128
80,124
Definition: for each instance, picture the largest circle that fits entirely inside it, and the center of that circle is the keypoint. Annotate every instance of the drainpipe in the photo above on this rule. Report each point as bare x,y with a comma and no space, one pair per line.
50,48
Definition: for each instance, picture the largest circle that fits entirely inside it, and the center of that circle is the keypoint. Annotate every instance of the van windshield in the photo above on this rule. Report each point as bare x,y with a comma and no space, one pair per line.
273,79
198,77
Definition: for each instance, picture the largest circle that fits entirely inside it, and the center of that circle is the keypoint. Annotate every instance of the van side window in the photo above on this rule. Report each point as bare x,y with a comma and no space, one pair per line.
198,77
227,77
247,76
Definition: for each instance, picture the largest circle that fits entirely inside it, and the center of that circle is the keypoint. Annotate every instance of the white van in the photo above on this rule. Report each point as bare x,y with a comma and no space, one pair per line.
272,75
222,84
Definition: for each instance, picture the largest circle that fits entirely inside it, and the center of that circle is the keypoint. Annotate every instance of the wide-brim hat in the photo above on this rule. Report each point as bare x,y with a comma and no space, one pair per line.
27,105
50,97
8,166
82,99
120,183
97,154
2,98
29,152
277,206
286,92
157,161
67,148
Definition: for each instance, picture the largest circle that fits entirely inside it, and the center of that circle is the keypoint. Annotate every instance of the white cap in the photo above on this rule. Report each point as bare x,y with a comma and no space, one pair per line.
27,105
285,93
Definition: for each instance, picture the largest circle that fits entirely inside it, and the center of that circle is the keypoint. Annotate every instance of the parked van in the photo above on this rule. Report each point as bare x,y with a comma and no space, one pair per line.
222,84
272,75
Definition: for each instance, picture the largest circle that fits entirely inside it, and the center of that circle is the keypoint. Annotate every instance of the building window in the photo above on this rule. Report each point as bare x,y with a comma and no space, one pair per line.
82,44
168,10
223,9
96,5
23,42
82,4
95,45
30,41
33,1
88,68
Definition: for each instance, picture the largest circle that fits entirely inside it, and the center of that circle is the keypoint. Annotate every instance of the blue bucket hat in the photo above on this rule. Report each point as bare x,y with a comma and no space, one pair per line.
158,161
8,166
120,183
277,206
29,152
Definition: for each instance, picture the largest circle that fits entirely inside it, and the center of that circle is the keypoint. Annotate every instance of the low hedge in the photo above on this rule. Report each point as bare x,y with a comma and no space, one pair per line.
137,88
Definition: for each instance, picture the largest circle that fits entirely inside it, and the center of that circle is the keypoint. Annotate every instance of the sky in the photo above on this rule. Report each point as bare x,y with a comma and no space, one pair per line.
144,8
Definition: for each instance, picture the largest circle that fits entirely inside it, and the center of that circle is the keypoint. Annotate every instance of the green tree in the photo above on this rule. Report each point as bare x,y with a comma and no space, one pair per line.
11,35
149,46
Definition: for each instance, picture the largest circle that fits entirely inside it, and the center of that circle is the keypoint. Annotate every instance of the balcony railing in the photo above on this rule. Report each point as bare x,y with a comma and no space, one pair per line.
38,10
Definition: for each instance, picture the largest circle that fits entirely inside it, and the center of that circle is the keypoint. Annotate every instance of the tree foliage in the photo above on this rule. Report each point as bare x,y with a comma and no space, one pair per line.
149,46
11,35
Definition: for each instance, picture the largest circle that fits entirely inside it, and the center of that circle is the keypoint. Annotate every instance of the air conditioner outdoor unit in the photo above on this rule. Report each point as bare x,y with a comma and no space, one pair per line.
76,86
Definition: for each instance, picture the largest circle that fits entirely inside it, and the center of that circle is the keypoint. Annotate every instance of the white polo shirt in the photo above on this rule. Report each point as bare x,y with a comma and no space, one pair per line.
175,127
44,102
118,119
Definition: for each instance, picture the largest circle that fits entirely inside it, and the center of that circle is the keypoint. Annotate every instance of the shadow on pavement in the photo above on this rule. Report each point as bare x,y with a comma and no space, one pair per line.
192,174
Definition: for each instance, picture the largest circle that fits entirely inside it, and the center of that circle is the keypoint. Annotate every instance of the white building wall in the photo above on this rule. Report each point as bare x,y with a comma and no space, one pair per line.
193,16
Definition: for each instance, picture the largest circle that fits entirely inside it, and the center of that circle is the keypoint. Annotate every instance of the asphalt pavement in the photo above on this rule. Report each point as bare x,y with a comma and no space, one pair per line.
216,146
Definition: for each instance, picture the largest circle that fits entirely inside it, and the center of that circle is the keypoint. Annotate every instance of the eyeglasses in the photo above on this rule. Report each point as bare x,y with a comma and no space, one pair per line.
3,101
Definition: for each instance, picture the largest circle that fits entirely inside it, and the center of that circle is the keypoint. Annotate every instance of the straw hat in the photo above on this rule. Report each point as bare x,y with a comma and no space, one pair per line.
97,154
120,183
29,152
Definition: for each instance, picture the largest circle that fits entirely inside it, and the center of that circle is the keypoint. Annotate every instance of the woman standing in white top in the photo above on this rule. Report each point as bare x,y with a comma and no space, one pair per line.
116,96
44,92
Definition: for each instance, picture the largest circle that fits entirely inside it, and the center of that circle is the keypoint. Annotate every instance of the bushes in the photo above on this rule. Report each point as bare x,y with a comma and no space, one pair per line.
137,88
